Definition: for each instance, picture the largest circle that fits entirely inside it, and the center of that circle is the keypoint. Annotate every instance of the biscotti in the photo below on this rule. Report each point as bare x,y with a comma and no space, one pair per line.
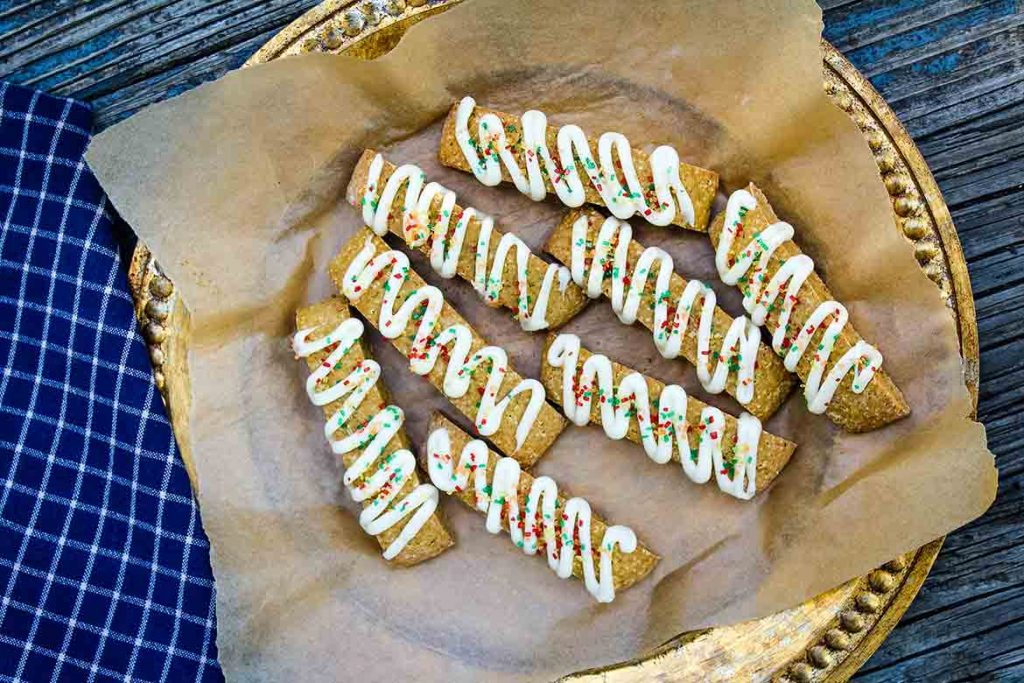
495,146
475,376
841,372
462,241
538,518
682,315
367,432
670,425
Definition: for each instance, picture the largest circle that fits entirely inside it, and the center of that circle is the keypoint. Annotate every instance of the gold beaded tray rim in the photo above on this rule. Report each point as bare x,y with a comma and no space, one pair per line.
857,615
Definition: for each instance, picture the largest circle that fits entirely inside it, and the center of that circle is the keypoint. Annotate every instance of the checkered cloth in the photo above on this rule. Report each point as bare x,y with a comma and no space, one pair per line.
104,566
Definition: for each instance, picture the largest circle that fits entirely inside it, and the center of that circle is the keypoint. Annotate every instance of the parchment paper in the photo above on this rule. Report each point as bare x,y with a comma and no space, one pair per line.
237,187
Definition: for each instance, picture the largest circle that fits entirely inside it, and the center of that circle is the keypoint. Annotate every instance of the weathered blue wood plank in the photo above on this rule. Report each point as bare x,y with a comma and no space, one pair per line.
954,72
931,22
123,54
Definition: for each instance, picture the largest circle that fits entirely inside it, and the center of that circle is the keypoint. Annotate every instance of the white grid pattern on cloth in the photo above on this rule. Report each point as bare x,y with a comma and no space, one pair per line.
104,566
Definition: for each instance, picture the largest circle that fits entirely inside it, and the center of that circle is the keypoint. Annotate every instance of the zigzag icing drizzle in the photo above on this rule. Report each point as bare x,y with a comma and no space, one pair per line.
540,522
419,224
750,270
667,429
429,343
486,152
738,352
384,484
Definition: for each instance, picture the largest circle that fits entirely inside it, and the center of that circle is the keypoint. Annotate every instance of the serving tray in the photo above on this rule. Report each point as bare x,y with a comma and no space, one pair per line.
825,639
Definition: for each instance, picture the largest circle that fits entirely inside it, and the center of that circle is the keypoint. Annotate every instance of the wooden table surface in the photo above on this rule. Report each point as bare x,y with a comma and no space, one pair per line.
953,70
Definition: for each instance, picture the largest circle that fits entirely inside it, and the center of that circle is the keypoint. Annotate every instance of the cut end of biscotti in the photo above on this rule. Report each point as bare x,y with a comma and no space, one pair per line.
542,436
433,539
559,242
448,151
357,183
892,407
773,454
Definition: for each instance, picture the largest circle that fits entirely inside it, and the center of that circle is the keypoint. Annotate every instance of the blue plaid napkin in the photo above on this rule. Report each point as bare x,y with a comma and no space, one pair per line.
104,566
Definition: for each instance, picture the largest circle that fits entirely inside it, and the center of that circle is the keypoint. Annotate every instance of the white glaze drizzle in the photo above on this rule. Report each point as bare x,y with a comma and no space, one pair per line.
419,224
664,432
740,343
489,150
390,475
428,342
749,270
540,518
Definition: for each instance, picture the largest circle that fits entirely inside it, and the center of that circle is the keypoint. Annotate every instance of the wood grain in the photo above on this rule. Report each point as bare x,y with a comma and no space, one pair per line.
952,69
953,72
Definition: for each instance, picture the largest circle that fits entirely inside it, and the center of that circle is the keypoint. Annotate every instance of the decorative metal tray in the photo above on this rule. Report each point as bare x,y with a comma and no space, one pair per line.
825,639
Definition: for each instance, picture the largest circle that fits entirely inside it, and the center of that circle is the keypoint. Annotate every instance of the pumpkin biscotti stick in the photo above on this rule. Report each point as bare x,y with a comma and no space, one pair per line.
366,431
728,353
704,440
536,515
540,293
476,377
495,146
841,372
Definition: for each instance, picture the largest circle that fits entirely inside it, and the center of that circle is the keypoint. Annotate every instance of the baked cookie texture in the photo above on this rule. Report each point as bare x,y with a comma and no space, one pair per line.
627,568
433,538
771,381
564,298
548,423
700,183
772,453
881,401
